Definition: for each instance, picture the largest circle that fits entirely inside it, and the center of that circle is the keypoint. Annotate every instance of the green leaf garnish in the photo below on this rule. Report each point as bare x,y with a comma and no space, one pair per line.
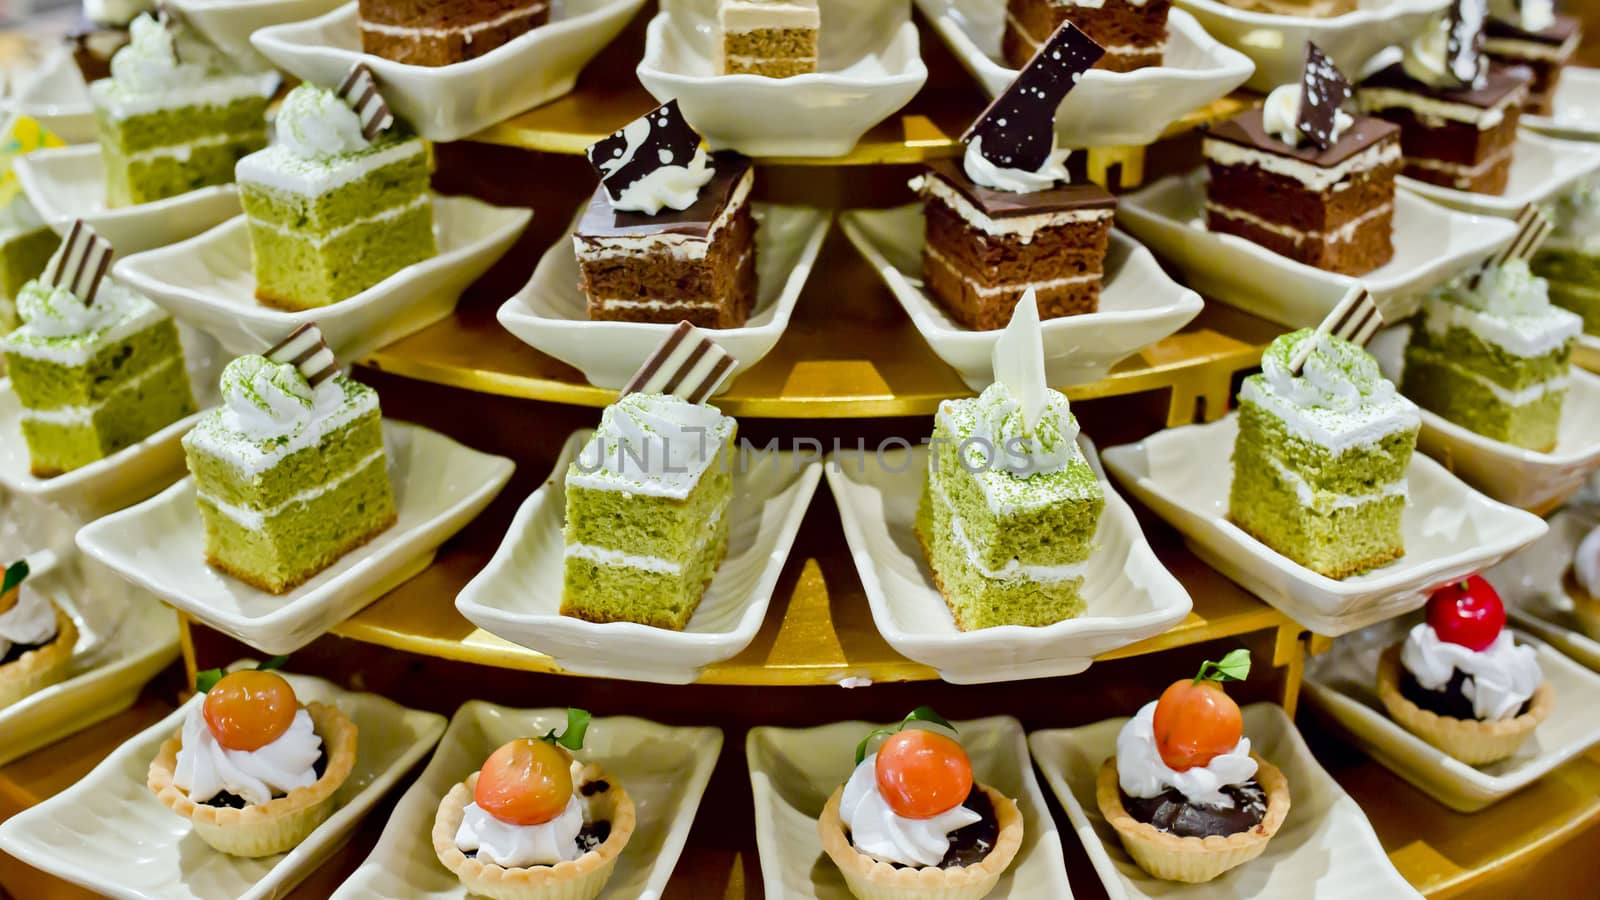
276,662
920,714
577,726
206,679
16,573
1233,667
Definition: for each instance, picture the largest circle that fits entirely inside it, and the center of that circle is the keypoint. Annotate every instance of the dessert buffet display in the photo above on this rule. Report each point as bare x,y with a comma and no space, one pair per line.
1310,413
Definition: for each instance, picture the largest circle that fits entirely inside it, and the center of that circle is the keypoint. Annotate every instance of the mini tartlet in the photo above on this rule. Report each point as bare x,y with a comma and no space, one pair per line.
1423,680
253,770
912,823
533,823
36,638
1184,793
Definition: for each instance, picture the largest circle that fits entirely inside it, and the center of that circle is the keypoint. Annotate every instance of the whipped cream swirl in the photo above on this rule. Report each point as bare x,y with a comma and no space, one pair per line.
1528,15
264,399
1501,677
1586,563
31,621
1576,216
57,312
315,124
206,768
159,59
1280,116
1143,773
887,836
655,438
519,846
1050,446
1338,375
1508,290
1017,181
1427,56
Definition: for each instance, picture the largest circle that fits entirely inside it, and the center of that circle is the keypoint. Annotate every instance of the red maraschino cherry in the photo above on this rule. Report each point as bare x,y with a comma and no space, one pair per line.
1195,719
1468,613
923,773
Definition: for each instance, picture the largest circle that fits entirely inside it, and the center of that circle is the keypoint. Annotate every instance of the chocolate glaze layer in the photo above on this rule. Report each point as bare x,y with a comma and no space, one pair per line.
1503,80
1247,130
1171,812
1556,35
1006,204
601,221
1450,702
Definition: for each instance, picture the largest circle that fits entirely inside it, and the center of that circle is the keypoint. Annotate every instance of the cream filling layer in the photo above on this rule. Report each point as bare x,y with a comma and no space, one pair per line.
1014,570
83,415
1315,178
1433,112
1511,47
255,519
327,237
1502,393
993,291
182,152
1343,233
1023,227
1458,169
605,556
470,30
1308,497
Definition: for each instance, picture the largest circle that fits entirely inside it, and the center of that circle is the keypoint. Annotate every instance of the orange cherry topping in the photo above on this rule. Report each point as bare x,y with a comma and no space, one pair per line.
525,782
1195,720
251,709
923,773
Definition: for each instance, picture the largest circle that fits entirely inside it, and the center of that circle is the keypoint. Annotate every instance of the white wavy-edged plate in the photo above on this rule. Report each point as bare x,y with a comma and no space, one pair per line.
1541,167
1130,596
1106,108
1575,108
1449,530
869,65
111,835
128,476
518,594
229,23
56,96
1529,479
1325,850
439,486
1431,245
1139,304
664,770
447,103
1277,43
1533,585
551,313
209,282
793,771
69,183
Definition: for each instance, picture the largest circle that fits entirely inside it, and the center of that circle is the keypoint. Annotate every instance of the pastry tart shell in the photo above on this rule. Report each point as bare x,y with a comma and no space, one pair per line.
38,669
870,879
1468,740
578,879
1193,860
280,824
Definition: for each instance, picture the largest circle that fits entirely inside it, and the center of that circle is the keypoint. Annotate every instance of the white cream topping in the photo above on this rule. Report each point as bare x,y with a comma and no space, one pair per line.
679,246
1281,115
205,768
264,399
314,123
162,68
222,432
31,621
1339,401
887,836
1576,217
1509,309
279,168
59,327
1018,181
1142,773
654,444
1050,445
1024,228
1315,178
519,846
1501,677
1586,563
1528,15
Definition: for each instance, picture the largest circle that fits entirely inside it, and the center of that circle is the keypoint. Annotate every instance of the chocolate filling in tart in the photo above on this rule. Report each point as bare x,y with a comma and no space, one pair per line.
969,845
16,651
231,800
592,835
1171,812
1450,702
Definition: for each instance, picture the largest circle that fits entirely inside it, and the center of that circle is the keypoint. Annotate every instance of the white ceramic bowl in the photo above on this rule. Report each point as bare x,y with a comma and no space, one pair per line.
1130,595
1139,304
663,769
869,66
229,23
439,487
1106,108
551,313
518,594
1532,584
208,282
1431,246
793,771
1450,531
1277,43
1541,168
109,834
1341,685
447,103
1326,849
1575,109
69,183
57,97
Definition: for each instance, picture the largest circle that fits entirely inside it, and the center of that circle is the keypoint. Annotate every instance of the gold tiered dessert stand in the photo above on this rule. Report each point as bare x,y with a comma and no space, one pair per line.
850,366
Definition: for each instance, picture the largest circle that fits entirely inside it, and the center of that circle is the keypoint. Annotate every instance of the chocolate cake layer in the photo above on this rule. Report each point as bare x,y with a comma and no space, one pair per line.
441,32
1284,201
1488,178
1133,35
1543,53
1459,143
1502,82
1355,251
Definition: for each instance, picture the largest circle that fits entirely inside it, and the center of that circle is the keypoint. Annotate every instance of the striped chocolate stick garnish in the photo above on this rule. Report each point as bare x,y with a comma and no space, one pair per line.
1532,229
687,364
81,263
360,90
305,349
1355,318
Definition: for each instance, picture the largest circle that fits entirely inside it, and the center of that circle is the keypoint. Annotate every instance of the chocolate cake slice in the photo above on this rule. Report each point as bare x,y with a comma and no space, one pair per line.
1458,137
1543,52
441,32
1132,32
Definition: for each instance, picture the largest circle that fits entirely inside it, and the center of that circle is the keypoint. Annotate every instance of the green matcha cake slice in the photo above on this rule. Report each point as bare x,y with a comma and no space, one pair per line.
26,245
1319,465
1570,258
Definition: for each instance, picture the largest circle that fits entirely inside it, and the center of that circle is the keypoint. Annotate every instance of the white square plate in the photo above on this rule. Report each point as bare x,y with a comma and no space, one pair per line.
1513,475
209,282
869,65
1431,245
69,183
447,103
229,23
1450,530
518,594
1541,167
1106,108
1533,585
57,97
1277,43
1325,850
1575,109
439,486
793,772
663,769
551,313
109,834
1139,304
1130,595
1340,685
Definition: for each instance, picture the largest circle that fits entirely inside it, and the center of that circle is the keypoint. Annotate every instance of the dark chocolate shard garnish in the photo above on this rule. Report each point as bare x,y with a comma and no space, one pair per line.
81,263
1018,128
658,139
1464,41
1323,90
305,349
